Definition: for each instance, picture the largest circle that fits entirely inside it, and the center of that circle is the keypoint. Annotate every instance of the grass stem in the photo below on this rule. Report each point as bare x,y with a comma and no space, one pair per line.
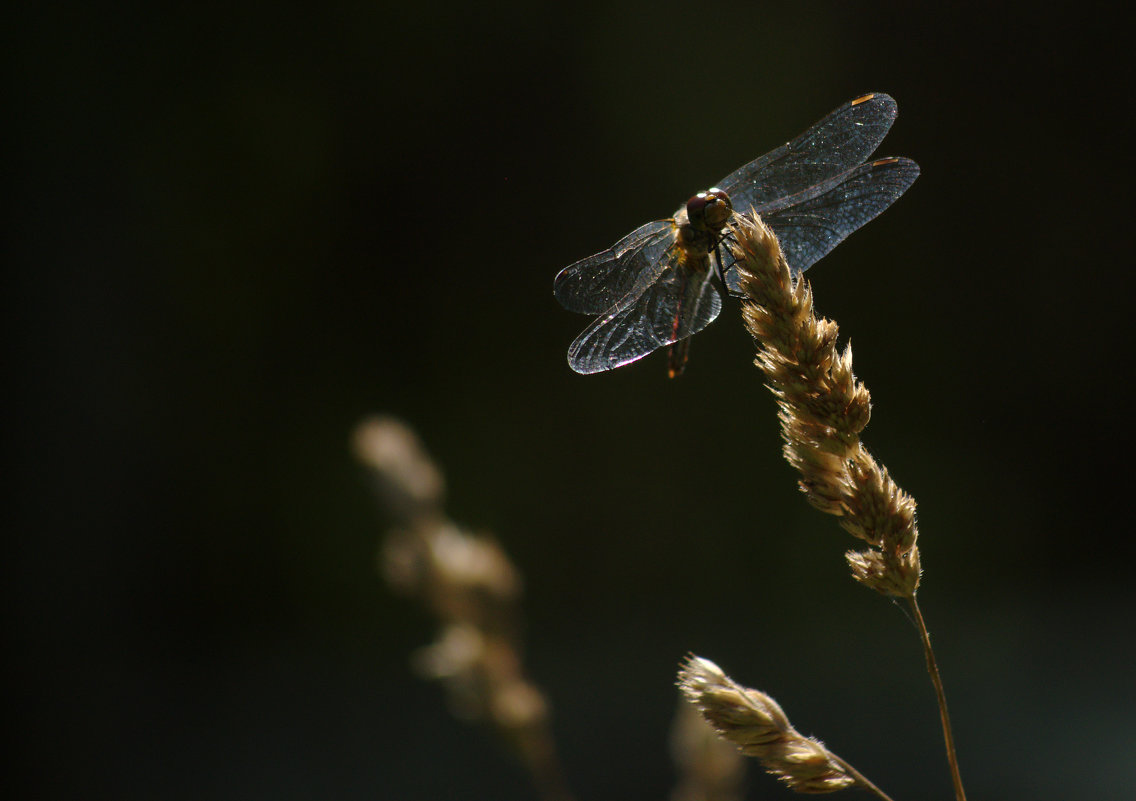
860,778
940,695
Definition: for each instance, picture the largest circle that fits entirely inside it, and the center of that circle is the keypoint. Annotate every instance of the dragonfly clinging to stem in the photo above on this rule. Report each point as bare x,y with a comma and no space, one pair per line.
662,283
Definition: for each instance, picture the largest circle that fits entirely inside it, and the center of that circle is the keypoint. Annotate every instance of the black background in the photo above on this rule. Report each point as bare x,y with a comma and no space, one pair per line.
239,227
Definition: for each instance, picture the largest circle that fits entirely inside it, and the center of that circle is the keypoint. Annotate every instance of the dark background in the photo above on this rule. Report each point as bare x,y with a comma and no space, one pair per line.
239,227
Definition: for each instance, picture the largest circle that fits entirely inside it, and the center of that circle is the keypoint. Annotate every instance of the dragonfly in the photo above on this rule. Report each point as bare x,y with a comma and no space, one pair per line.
663,282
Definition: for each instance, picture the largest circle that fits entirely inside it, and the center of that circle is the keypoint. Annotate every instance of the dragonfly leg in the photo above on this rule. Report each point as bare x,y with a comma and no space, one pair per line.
720,269
718,262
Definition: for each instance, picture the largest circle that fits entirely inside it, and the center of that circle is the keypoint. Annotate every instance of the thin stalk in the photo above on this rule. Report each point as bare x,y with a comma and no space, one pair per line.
936,679
860,778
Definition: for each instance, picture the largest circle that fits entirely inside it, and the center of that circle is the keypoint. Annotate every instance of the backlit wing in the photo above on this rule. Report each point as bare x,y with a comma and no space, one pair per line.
839,142
667,303
812,223
595,284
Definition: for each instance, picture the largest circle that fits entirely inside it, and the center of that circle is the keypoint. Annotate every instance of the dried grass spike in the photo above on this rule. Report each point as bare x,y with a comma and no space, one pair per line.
755,723
823,408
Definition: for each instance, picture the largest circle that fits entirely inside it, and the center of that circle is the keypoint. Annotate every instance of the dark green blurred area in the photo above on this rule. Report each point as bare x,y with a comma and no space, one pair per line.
240,228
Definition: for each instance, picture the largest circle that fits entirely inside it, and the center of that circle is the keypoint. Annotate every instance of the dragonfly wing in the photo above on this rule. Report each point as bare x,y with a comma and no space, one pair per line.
843,139
811,224
666,304
595,284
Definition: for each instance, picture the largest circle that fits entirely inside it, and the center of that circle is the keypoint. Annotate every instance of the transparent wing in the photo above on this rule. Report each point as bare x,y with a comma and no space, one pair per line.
812,223
595,284
843,139
668,303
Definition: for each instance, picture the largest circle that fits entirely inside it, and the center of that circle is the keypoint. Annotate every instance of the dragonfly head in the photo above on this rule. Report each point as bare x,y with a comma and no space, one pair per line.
709,210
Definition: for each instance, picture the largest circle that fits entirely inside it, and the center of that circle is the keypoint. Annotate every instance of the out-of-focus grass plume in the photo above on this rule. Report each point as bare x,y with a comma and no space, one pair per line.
471,587
709,767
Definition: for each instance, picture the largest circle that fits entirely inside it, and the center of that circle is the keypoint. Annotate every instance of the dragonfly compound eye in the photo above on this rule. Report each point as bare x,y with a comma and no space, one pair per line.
710,209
